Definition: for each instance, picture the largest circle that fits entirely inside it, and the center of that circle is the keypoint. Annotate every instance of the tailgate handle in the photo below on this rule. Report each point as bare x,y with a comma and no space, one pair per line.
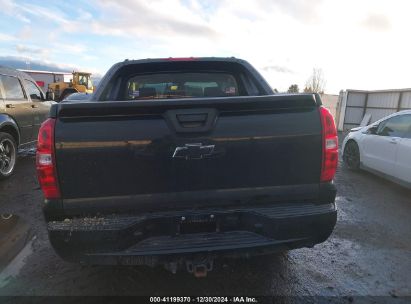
192,120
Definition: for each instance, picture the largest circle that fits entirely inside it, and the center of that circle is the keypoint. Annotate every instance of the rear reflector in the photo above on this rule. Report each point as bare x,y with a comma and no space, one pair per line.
45,160
330,146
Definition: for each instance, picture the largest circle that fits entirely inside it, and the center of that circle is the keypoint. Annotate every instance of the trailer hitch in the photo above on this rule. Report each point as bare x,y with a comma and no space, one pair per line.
200,267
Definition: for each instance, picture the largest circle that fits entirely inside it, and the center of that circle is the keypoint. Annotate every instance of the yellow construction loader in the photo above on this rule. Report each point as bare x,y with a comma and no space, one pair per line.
80,83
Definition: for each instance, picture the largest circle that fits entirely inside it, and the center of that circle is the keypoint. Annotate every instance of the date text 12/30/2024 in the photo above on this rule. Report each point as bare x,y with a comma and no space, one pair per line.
239,299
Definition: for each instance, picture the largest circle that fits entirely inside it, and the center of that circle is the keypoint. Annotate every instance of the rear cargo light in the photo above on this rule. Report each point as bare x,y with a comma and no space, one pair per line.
180,59
45,160
330,146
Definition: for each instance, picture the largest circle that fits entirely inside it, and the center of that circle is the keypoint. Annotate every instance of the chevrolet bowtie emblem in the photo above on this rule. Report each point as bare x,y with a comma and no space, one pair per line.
193,151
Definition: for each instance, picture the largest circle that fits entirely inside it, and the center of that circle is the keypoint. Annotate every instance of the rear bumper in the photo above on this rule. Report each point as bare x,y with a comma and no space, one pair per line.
155,238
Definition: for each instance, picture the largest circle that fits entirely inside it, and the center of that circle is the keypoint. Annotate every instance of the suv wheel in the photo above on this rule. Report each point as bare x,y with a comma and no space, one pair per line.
8,155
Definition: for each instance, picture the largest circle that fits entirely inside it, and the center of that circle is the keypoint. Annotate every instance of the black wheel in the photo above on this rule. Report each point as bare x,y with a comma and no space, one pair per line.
351,155
8,155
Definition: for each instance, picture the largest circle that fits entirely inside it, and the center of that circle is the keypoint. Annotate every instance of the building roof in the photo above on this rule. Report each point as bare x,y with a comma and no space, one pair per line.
379,91
44,72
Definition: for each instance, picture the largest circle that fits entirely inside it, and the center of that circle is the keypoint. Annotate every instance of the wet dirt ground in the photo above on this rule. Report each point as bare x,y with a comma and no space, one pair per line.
368,254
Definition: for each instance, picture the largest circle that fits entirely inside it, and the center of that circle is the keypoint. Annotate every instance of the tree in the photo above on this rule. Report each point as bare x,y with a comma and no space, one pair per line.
293,89
316,82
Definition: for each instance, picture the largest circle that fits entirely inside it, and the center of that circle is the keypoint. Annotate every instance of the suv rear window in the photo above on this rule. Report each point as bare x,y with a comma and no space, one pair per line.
181,85
12,87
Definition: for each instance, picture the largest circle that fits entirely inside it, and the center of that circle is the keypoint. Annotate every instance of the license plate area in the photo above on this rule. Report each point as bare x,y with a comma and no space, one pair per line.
198,224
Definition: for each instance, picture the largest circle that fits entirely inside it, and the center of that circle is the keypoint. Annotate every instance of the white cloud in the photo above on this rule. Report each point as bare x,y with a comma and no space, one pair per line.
25,33
10,8
377,22
5,37
358,44
33,51
46,12
351,41
158,19
277,68
72,48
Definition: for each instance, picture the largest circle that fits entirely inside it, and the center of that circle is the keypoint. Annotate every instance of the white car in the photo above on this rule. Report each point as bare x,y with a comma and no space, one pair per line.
383,148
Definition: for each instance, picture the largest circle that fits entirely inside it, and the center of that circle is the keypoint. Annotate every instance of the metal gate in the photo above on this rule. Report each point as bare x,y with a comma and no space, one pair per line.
356,104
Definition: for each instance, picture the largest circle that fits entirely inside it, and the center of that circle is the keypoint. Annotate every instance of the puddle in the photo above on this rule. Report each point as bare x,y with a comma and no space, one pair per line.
14,267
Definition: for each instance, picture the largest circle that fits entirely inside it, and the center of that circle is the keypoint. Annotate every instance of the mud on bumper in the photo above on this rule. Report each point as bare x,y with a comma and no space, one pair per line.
150,239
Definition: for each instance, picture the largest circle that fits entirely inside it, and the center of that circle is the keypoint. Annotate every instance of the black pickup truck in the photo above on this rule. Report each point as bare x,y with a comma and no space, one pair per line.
177,161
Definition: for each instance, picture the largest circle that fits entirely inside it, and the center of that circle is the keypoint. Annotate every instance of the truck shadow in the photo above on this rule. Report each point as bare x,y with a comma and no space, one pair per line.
263,275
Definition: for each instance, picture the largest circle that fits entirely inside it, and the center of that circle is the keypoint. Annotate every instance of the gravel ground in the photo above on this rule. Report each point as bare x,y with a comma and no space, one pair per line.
368,254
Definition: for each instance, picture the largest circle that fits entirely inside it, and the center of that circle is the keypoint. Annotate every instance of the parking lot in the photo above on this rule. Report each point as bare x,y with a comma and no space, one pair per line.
369,253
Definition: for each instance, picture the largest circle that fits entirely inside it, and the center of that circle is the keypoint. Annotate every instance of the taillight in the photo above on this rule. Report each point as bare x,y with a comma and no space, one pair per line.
330,146
45,160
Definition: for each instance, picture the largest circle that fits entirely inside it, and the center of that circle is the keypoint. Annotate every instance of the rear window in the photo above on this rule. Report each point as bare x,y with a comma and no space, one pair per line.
12,87
181,85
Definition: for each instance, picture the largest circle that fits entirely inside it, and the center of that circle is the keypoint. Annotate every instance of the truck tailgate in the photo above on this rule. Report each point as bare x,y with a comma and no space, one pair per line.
148,155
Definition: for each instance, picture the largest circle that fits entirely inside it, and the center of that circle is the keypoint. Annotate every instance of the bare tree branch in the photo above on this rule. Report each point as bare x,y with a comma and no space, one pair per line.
316,82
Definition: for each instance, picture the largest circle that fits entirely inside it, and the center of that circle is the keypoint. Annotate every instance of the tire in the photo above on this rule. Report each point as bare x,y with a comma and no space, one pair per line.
8,155
351,155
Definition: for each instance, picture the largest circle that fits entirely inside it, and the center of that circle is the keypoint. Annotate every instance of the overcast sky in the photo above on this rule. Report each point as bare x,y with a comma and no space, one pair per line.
358,44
